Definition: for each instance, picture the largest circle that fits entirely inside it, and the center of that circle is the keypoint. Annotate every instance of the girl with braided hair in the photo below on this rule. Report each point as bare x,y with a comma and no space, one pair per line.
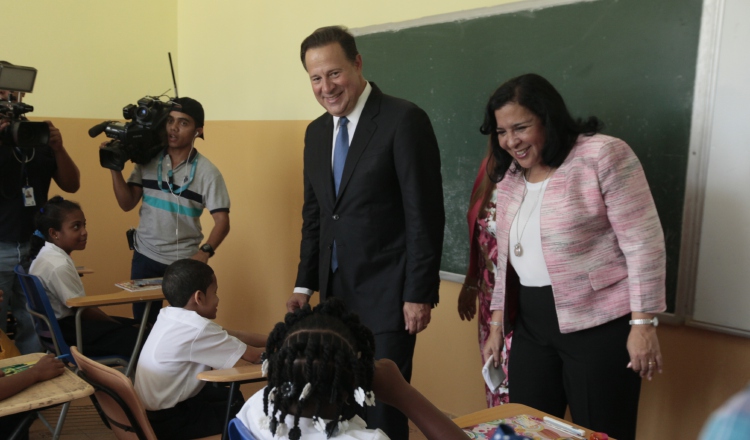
320,367
322,374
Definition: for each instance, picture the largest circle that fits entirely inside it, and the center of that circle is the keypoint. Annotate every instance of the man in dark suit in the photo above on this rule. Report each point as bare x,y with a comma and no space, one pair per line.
373,214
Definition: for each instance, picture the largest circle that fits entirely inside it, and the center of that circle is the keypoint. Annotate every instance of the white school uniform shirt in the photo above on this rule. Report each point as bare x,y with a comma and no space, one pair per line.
252,412
181,344
58,274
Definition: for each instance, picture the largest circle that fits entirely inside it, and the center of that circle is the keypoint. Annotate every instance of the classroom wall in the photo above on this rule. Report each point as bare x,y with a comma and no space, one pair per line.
92,57
240,59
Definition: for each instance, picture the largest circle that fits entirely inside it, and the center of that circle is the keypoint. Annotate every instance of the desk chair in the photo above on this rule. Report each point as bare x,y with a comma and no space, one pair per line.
115,399
245,373
238,431
48,331
45,321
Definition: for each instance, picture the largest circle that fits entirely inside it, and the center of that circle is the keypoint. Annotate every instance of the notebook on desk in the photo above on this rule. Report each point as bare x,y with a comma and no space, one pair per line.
140,285
17,368
526,425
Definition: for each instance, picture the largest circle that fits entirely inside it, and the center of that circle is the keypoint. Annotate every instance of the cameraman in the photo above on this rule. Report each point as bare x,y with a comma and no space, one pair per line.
175,187
25,175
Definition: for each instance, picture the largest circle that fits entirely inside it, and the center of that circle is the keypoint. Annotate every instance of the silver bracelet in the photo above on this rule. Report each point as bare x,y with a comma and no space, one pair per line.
496,323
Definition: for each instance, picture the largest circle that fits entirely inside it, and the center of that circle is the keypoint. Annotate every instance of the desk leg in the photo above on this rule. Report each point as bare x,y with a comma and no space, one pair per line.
232,390
139,340
79,336
60,421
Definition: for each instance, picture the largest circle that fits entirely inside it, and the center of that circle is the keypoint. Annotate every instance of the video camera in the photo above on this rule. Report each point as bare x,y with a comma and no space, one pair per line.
139,139
21,132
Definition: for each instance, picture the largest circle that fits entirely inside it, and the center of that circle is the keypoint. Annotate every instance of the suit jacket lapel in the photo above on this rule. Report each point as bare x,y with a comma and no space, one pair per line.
365,129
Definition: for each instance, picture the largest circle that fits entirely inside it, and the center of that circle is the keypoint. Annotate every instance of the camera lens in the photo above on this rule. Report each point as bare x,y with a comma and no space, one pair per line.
142,113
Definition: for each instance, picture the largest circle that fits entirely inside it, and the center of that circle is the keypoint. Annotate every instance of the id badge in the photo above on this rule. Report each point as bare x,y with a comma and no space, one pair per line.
28,196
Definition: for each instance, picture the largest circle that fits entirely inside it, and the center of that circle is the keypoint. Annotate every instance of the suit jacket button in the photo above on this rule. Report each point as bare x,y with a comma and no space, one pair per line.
335,216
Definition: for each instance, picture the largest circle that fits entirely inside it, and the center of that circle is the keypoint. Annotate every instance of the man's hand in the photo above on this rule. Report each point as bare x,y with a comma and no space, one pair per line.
55,138
296,301
201,256
417,316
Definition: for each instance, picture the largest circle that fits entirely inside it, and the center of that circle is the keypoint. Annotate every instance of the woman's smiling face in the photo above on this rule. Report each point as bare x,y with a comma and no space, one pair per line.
521,133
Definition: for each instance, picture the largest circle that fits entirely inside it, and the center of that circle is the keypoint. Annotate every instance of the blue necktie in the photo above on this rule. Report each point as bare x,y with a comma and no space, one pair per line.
340,150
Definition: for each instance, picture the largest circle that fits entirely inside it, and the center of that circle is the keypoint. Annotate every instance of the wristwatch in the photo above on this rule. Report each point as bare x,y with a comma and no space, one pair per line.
654,321
207,248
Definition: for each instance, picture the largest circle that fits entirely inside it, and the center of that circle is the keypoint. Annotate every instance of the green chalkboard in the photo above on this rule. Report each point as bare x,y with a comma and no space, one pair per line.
630,62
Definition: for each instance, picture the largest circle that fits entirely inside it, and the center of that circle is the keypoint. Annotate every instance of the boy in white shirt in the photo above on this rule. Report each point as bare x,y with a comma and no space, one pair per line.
184,342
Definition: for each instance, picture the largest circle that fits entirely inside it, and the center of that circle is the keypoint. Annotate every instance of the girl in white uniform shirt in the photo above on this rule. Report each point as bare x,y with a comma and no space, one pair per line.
322,375
61,229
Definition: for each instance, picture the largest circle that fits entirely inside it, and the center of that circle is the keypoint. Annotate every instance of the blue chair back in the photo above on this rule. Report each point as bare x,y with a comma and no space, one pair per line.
46,324
43,314
238,431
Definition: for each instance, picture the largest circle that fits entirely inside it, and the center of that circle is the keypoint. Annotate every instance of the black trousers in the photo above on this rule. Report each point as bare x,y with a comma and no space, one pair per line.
8,425
102,338
199,416
586,369
144,267
399,347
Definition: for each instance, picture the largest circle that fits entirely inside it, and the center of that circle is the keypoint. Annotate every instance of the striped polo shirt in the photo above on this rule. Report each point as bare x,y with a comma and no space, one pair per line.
170,227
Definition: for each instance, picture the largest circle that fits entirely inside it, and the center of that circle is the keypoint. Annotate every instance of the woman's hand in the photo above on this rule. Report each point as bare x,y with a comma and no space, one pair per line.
494,345
645,355
467,302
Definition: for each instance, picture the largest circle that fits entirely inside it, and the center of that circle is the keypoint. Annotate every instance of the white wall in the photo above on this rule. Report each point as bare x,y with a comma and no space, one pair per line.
722,296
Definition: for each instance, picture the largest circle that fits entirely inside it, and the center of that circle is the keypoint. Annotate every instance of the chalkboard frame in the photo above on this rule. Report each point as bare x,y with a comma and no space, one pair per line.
706,111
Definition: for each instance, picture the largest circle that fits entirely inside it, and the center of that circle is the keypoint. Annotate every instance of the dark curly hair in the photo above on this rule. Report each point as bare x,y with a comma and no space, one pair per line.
326,348
536,94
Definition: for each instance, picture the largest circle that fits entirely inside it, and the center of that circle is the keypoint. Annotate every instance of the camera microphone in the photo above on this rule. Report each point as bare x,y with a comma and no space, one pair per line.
97,129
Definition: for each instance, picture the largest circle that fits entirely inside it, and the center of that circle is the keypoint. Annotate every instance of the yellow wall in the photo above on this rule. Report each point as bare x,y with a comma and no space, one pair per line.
93,57
240,59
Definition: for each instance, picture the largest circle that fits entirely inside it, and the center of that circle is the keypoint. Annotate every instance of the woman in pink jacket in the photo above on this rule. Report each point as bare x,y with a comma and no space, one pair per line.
580,260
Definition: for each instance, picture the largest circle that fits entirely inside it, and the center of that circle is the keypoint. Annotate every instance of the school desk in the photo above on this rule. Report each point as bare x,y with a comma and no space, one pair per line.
81,303
60,389
509,410
83,270
245,372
